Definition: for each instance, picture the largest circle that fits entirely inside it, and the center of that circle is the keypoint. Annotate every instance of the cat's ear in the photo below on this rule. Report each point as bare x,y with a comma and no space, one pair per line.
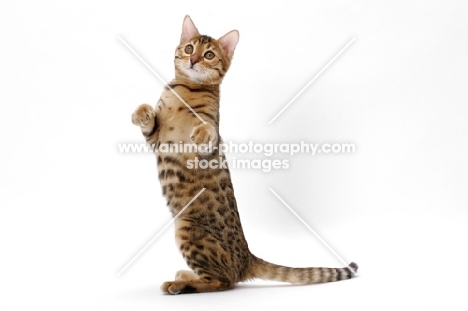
189,30
229,42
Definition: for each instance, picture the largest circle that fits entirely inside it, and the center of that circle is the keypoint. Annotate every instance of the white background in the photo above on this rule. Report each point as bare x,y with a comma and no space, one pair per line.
74,210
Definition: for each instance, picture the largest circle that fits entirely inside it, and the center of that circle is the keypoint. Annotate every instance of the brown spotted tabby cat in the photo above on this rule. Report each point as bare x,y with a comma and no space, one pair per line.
209,232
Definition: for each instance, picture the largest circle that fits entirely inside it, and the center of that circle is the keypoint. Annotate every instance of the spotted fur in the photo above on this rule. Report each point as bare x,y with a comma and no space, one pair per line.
208,233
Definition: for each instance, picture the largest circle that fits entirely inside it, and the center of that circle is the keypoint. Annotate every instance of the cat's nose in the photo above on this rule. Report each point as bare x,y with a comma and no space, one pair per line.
194,59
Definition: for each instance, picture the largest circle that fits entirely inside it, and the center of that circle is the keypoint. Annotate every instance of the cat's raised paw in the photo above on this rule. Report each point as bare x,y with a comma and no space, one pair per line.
143,114
203,135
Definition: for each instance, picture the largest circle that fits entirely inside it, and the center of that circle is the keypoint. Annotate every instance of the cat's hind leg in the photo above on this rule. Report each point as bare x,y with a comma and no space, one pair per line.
194,286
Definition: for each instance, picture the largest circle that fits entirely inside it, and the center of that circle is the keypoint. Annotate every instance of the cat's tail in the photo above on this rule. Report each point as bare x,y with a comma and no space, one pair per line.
268,271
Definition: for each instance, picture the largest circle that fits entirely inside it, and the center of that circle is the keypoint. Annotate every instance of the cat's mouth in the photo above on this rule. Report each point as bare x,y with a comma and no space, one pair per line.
195,72
192,68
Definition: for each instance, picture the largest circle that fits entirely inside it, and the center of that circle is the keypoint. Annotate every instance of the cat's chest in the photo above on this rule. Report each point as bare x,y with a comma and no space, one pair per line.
174,119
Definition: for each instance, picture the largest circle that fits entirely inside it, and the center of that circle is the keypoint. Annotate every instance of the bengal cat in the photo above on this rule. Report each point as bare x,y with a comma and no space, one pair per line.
209,232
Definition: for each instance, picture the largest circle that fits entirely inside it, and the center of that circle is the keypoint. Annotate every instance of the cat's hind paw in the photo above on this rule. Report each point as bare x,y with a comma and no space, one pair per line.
185,275
172,288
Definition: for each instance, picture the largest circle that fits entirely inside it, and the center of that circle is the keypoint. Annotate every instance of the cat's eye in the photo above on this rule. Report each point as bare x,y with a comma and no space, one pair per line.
189,49
209,55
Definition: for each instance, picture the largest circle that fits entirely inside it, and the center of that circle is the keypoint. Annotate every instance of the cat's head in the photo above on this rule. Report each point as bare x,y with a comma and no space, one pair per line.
202,59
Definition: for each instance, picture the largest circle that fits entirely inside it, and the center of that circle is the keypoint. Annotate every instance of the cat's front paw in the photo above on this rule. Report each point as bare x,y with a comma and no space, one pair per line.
205,136
143,115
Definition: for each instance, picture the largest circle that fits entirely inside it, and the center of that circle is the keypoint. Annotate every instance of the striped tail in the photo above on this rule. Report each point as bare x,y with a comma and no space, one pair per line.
268,271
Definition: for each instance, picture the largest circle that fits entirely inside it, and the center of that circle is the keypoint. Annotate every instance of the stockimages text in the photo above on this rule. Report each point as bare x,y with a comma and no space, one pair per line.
268,150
